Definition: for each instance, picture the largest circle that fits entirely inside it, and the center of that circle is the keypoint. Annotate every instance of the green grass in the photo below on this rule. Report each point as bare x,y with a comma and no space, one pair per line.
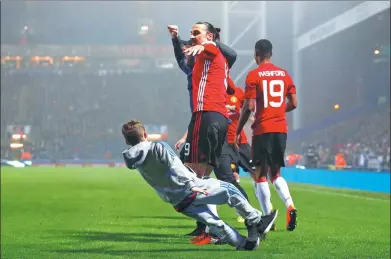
113,213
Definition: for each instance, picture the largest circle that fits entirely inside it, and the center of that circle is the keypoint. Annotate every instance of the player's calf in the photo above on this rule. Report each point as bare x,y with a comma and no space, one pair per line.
262,189
219,230
237,177
283,191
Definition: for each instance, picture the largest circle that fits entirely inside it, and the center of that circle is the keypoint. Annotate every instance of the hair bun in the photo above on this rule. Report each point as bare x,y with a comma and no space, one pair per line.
218,30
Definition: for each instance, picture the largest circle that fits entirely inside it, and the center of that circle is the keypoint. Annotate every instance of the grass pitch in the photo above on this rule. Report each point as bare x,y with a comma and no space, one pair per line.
112,213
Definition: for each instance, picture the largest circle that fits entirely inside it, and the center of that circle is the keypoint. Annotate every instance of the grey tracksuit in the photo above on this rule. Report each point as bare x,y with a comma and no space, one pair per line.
163,170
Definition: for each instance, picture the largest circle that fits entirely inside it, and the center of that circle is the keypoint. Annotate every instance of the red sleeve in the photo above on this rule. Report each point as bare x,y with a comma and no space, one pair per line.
240,95
211,50
231,89
291,86
250,91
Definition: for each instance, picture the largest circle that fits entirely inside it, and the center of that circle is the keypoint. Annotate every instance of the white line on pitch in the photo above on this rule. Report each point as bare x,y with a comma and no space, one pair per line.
310,189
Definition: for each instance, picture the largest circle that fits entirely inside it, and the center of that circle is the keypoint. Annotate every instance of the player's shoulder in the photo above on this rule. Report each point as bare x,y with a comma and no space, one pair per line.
278,68
275,67
161,145
253,74
239,91
254,71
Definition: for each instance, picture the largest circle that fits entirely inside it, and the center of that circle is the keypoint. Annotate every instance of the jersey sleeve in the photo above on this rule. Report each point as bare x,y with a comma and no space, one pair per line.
250,91
231,88
211,50
291,88
180,57
164,152
133,160
240,95
167,156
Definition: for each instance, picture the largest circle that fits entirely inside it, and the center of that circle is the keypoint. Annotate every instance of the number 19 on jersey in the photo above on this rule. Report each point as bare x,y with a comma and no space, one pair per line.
273,88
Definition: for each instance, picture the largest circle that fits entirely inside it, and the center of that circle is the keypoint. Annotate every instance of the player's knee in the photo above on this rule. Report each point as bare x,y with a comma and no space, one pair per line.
273,177
233,193
236,177
261,179
235,199
208,170
226,189
261,171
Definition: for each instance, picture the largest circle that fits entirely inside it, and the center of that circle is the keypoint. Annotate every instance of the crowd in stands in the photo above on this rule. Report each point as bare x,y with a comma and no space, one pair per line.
79,116
363,142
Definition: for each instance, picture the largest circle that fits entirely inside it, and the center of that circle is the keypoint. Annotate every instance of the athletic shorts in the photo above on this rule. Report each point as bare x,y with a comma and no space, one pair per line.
239,158
269,149
205,138
231,159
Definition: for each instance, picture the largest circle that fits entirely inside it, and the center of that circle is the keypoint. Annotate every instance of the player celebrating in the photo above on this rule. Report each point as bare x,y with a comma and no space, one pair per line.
163,170
209,123
208,126
269,85
186,64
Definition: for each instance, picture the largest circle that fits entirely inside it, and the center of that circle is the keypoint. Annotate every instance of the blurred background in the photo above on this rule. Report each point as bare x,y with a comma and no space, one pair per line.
73,72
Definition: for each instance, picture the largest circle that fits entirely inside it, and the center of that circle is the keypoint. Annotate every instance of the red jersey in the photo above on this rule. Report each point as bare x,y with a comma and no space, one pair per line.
209,80
269,85
234,104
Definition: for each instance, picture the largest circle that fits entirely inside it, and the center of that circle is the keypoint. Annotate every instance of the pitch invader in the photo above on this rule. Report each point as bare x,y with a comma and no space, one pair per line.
177,184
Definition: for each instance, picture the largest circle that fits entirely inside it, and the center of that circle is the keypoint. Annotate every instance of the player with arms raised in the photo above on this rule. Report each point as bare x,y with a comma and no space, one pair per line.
208,126
267,88
186,64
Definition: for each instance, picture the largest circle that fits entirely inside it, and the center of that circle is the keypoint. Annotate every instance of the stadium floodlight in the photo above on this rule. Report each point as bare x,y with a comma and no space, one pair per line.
376,52
16,145
144,29
18,136
154,137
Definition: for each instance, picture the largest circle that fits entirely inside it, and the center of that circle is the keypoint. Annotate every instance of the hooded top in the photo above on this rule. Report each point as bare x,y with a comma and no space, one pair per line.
162,169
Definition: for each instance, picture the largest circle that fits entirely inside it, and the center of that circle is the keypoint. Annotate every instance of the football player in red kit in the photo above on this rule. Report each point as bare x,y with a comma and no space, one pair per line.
267,88
242,157
208,126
